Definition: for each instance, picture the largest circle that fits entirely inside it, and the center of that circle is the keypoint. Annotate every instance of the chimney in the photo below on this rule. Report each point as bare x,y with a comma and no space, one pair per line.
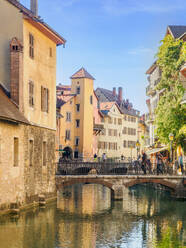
120,94
16,71
114,92
34,7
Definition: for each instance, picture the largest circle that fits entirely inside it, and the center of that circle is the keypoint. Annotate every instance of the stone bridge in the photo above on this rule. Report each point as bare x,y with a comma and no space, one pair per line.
119,184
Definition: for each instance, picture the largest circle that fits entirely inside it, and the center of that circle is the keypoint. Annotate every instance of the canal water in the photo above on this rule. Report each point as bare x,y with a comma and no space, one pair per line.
85,217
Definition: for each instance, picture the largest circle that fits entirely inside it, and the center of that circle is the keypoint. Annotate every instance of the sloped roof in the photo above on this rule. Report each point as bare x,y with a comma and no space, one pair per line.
108,94
62,99
106,105
82,73
152,68
38,22
111,98
177,31
9,111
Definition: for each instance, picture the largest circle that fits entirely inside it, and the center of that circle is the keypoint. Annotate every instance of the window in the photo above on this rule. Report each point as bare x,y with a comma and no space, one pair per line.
119,121
91,100
16,151
124,130
76,154
78,90
77,107
105,145
110,132
68,116
114,120
115,132
44,99
76,141
44,153
110,120
50,52
67,135
103,132
31,46
124,143
31,151
77,123
31,94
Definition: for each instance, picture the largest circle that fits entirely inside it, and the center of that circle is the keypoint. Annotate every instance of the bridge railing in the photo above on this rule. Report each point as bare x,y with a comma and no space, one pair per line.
108,168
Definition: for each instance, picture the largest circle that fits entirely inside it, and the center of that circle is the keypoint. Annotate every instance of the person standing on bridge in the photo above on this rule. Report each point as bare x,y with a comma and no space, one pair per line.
143,162
159,163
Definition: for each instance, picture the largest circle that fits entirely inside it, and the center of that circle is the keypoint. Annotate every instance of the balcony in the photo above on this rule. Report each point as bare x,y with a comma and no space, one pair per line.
97,128
150,91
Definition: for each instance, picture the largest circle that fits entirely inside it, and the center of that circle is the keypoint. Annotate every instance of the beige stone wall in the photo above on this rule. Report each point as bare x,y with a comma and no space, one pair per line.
11,25
11,178
24,183
114,114
42,71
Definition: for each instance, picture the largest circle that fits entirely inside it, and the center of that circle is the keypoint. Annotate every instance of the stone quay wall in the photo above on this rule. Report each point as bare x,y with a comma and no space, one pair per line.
33,176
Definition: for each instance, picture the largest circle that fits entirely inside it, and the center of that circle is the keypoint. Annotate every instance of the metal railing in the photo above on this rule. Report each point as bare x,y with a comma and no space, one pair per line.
106,168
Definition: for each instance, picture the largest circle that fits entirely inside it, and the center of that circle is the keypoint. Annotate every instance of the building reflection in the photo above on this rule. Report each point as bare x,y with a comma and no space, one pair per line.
85,218
31,229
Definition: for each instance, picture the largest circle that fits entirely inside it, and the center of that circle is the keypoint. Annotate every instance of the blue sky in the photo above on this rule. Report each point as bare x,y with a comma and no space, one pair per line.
115,40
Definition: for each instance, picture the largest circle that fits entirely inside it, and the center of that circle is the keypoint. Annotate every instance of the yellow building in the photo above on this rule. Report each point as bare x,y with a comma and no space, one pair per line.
76,105
28,87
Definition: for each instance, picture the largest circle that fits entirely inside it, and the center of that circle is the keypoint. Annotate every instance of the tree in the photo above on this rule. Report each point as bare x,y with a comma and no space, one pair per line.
170,114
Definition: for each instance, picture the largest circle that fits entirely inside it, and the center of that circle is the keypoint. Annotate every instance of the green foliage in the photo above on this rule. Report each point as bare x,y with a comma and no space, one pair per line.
170,114
169,240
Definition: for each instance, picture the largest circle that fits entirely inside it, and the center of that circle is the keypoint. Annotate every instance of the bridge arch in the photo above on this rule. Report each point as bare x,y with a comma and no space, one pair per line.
162,182
73,181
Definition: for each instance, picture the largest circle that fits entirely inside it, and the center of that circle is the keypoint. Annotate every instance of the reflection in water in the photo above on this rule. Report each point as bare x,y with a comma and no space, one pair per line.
84,217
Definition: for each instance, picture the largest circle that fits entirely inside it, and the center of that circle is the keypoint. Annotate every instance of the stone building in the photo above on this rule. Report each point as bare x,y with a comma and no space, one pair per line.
27,105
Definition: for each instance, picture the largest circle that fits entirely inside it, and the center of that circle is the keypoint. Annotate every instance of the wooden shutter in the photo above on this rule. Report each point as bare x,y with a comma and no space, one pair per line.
42,98
47,100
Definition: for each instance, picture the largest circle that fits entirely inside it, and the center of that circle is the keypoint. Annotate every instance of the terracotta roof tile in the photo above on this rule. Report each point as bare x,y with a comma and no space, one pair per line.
82,73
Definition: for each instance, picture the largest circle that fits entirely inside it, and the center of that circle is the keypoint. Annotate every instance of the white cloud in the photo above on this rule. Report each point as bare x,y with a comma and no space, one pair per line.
125,7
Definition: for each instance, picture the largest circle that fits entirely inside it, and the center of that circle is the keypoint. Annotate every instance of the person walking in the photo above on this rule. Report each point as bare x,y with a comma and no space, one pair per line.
143,162
180,161
159,163
95,157
104,157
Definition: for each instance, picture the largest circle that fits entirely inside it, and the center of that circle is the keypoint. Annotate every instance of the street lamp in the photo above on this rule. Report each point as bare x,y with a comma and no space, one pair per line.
171,137
138,147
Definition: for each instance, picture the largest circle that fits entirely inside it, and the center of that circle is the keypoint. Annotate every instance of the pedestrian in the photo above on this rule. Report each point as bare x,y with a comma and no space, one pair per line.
159,163
143,162
95,157
104,157
180,161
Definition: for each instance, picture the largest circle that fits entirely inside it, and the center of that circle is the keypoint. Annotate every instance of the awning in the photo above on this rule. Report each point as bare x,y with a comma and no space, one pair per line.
155,150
